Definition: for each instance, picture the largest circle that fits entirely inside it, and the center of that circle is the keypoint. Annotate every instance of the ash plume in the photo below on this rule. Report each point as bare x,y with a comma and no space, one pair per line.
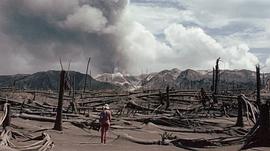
35,33
40,31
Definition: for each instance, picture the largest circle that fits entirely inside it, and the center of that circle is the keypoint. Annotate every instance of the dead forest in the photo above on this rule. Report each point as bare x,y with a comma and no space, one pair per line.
185,119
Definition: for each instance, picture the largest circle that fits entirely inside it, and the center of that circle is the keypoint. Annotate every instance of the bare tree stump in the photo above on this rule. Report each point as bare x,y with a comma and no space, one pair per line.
240,121
258,78
86,74
259,136
58,120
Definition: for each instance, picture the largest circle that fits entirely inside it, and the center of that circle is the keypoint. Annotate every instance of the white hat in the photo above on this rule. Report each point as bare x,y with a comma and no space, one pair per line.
106,106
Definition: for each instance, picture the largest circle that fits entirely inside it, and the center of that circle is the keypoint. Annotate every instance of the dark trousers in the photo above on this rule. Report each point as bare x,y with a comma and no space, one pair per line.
104,129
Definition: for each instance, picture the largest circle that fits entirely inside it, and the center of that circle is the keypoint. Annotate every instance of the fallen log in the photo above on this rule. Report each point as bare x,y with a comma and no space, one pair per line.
131,104
202,143
44,143
138,141
45,106
107,100
42,113
107,96
43,118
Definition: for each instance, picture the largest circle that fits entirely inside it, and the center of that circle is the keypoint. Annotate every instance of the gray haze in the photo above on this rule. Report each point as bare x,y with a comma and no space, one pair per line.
35,33
133,36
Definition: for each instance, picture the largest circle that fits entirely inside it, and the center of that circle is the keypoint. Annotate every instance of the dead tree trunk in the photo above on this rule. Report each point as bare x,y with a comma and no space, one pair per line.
74,107
233,86
204,97
34,96
213,81
265,117
161,98
259,136
240,121
167,97
90,82
14,86
216,81
21,109
217,76
263,81
85,79
258,77
7,120
58,120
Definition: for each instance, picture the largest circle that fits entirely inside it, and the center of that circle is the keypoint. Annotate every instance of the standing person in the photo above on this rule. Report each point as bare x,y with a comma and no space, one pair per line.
105,119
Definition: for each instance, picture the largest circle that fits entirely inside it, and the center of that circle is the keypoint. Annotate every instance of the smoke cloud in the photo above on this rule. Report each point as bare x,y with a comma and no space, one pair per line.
35,33
40,31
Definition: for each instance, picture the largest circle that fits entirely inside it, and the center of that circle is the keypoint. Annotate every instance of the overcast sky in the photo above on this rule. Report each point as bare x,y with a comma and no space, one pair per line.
133,36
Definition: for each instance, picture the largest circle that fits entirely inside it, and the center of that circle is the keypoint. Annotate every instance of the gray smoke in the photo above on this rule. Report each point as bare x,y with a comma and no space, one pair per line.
34,33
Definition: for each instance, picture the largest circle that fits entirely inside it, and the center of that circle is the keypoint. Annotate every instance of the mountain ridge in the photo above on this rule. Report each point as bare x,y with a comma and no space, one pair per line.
49,80
185,79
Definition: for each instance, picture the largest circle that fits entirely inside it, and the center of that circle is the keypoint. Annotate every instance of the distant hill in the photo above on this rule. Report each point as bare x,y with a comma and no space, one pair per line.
196,79
229,79
161,79
187,79
49,80
191,79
